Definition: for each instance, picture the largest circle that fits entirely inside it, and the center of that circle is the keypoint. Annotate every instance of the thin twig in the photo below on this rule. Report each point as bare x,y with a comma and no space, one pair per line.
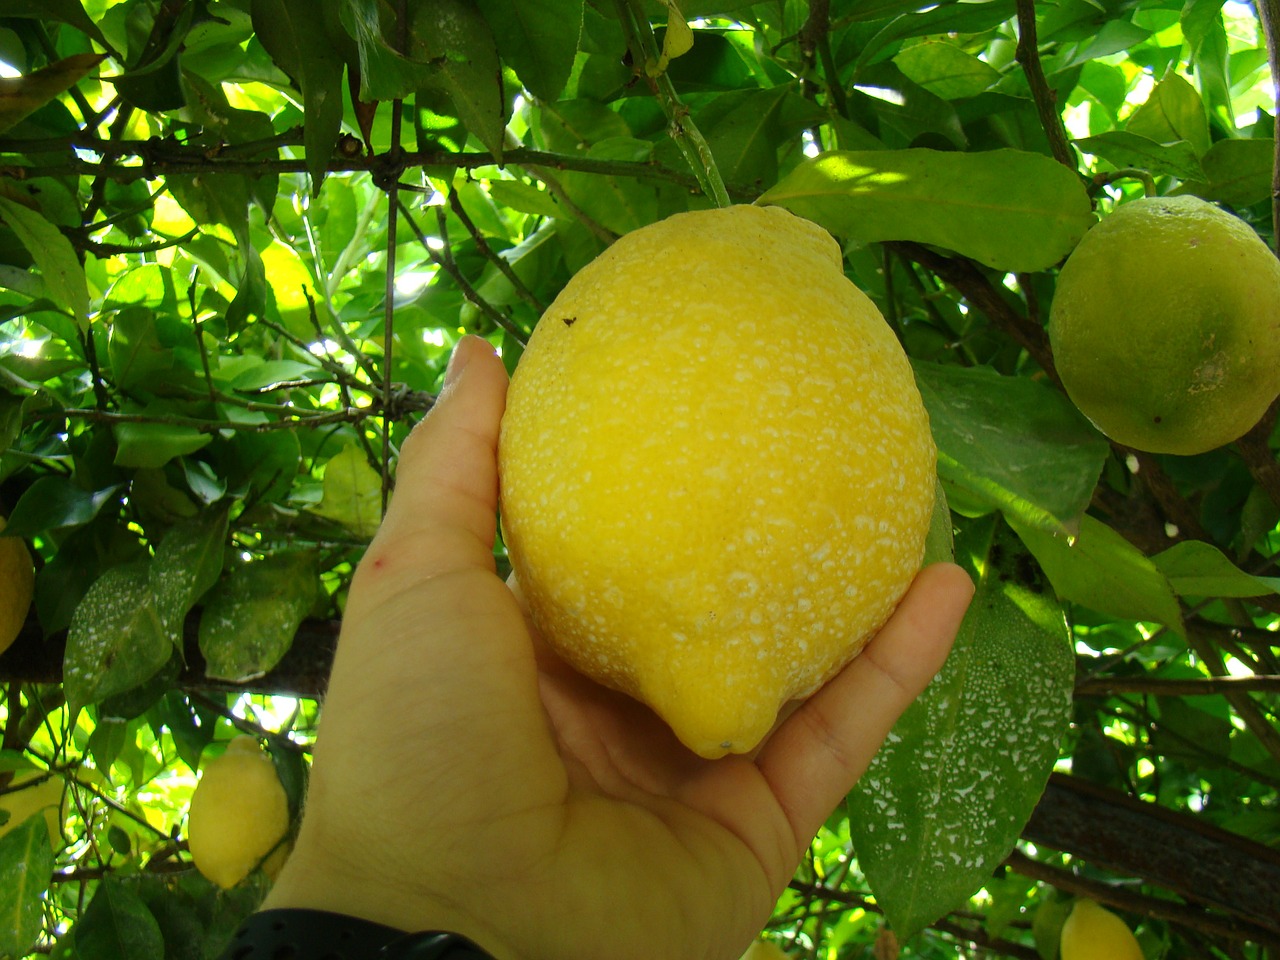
504,267
1028,55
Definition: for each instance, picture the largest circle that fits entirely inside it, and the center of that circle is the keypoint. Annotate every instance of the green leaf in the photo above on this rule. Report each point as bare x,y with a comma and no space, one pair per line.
155,444
944,69
1015,443
1198,569
939,545
1005,208
117,638
187,563
525,197
54,256
22,96
946,797
26,866
118,926
538,39
53,504
1210,55
1104,572
744,131
1235,172
1125,148
1173,111
352,493
455,41
64,11
298,41
250,619
137,355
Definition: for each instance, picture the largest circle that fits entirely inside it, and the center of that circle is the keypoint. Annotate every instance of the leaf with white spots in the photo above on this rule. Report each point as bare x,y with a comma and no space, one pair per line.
949,792
250,618
117,639
187,563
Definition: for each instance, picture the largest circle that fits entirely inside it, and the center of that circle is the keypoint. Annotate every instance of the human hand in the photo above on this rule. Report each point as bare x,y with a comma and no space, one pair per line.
465,779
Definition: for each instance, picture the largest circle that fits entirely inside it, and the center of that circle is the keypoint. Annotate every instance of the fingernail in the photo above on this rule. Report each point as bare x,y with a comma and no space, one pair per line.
457,361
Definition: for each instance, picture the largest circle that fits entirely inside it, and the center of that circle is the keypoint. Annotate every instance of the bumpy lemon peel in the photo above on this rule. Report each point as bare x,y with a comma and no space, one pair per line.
717,474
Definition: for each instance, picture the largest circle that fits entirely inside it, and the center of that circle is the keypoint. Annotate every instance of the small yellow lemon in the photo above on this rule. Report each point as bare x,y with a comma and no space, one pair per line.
1165,325
17,581
764,950
717,474
239,814
1092,932
22,802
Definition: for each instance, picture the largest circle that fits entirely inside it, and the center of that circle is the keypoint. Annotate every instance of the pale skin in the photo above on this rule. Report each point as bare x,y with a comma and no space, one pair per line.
466,780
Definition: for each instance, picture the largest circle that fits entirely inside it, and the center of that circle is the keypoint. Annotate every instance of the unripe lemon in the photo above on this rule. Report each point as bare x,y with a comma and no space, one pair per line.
22,802
764,950
239,813
1165,326
1092,932
17,580
716,471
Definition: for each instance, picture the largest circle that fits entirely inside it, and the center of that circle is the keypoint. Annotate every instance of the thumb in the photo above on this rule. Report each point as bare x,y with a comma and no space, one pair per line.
442,517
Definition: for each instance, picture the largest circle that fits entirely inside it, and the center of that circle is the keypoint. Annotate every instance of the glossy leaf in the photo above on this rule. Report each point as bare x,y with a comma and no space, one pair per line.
1008,209
946,70
1101,570
1235,172
53,504
945,799
1173,111
1012,442
1127,149
1198,569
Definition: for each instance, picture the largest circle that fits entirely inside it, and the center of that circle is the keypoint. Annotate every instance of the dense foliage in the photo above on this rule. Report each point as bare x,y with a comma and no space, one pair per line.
238,239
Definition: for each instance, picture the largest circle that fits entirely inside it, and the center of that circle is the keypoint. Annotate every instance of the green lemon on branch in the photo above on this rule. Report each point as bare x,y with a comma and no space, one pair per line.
1165,326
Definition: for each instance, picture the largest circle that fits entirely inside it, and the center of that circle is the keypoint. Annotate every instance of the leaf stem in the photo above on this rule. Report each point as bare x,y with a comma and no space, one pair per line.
684,132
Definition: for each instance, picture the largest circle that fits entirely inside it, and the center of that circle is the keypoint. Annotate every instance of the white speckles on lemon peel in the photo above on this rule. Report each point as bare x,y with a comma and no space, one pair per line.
717,474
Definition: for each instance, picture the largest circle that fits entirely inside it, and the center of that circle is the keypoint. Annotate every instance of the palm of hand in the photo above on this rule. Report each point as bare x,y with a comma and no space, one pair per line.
466,780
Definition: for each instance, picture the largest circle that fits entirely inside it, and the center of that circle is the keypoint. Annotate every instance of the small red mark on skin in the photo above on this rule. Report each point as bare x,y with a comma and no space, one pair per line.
378,562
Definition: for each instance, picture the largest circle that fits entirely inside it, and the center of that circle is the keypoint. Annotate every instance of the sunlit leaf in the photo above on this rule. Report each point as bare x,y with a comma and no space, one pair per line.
1005,208
1173,111
945,69
56,259
352,493
186,564
1101,570
22,96
1198,569
1125,148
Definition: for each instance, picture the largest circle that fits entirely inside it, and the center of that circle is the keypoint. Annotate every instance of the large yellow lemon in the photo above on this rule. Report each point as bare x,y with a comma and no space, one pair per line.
716,471
1165,326
24,798
1092,932
239,814
17,580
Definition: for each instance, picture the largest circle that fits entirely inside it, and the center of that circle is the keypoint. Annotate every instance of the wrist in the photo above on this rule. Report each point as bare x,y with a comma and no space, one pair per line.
313,934
328,887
